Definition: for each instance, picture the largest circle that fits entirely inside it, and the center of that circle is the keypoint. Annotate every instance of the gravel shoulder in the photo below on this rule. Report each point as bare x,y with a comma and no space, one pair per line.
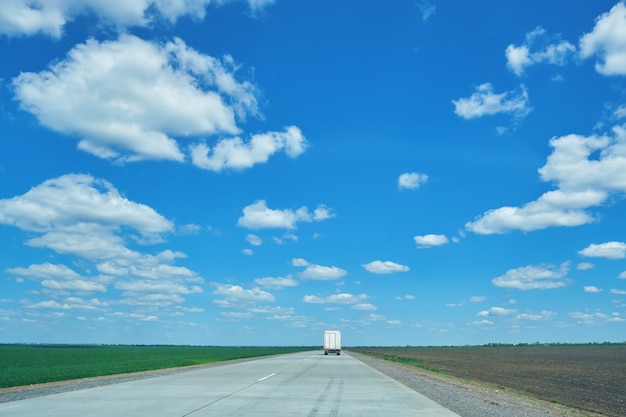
465,398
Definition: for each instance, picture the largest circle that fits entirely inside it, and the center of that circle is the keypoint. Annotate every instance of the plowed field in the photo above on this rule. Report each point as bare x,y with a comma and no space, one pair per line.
588,377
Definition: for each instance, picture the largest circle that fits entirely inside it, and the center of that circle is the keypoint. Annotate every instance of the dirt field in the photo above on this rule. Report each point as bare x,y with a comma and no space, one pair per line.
588,377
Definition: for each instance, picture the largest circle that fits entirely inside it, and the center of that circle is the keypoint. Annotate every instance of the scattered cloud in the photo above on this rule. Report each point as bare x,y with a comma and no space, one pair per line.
27,18
427,241
254,240
343,298
587,171
237,296
543,315
405,297
384,267
497,312
484,102
584,266
534,277
520,57
609,250
258,216
607,41
477,298
236,154
411,180
276,283
591,289
364,307
318,272
616,291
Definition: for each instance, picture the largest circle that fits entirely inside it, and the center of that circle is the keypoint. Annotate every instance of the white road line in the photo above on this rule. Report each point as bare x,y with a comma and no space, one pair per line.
265,377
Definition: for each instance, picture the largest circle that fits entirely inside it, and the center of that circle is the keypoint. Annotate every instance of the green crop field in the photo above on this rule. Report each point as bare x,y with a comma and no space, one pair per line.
34,364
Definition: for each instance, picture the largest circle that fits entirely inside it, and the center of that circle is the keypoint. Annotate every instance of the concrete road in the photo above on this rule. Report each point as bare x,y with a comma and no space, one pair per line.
301,384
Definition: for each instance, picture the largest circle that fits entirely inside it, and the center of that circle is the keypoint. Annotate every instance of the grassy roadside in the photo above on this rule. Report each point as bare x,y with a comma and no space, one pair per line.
35,364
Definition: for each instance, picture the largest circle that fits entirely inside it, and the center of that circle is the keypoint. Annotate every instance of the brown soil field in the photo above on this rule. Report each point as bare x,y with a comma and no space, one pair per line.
587,377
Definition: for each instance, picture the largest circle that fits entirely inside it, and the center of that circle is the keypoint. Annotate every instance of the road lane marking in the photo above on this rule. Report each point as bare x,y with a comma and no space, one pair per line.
265,377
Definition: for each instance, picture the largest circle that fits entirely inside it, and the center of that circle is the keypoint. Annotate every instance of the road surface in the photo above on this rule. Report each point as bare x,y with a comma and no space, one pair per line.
300,384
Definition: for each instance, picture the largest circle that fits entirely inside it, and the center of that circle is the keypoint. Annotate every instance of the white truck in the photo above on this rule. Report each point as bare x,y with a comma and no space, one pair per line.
332,342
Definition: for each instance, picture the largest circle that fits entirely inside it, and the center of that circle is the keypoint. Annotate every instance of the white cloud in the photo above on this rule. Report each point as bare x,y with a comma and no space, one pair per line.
384,267
477,298
87,217
587,171
622,275
520,57
427,9
126,99
254,240
27,17
484,102
609,250
236,296
616,291
73,201
483,323
427,241
544,315
497,312
70,303
583,266
411,180
607,41
364,307
258,216
318,272
534,277
591,289
406,297
276,283
236,154
343,298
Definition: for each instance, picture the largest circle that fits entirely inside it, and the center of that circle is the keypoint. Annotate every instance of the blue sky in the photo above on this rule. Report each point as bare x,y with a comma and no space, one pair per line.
254,172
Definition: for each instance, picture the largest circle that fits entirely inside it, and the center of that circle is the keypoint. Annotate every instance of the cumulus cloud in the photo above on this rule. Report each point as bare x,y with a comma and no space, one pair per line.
497,312
587,170
27,17
343,298
236,296
607,41
534,277
277,283
80,215
485,102
318,272
411,180
73,201
427,241
537,48
236,154
128,99
591,289
384,267
258,216
609,250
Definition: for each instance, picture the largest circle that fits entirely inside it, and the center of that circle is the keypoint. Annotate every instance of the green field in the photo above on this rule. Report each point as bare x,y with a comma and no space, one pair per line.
35,364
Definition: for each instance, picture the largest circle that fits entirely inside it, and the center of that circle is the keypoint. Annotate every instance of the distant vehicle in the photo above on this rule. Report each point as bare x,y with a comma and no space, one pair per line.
332,342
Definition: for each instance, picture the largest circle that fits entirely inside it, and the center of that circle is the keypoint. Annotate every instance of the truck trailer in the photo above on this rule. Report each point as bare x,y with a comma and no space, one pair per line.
332,342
